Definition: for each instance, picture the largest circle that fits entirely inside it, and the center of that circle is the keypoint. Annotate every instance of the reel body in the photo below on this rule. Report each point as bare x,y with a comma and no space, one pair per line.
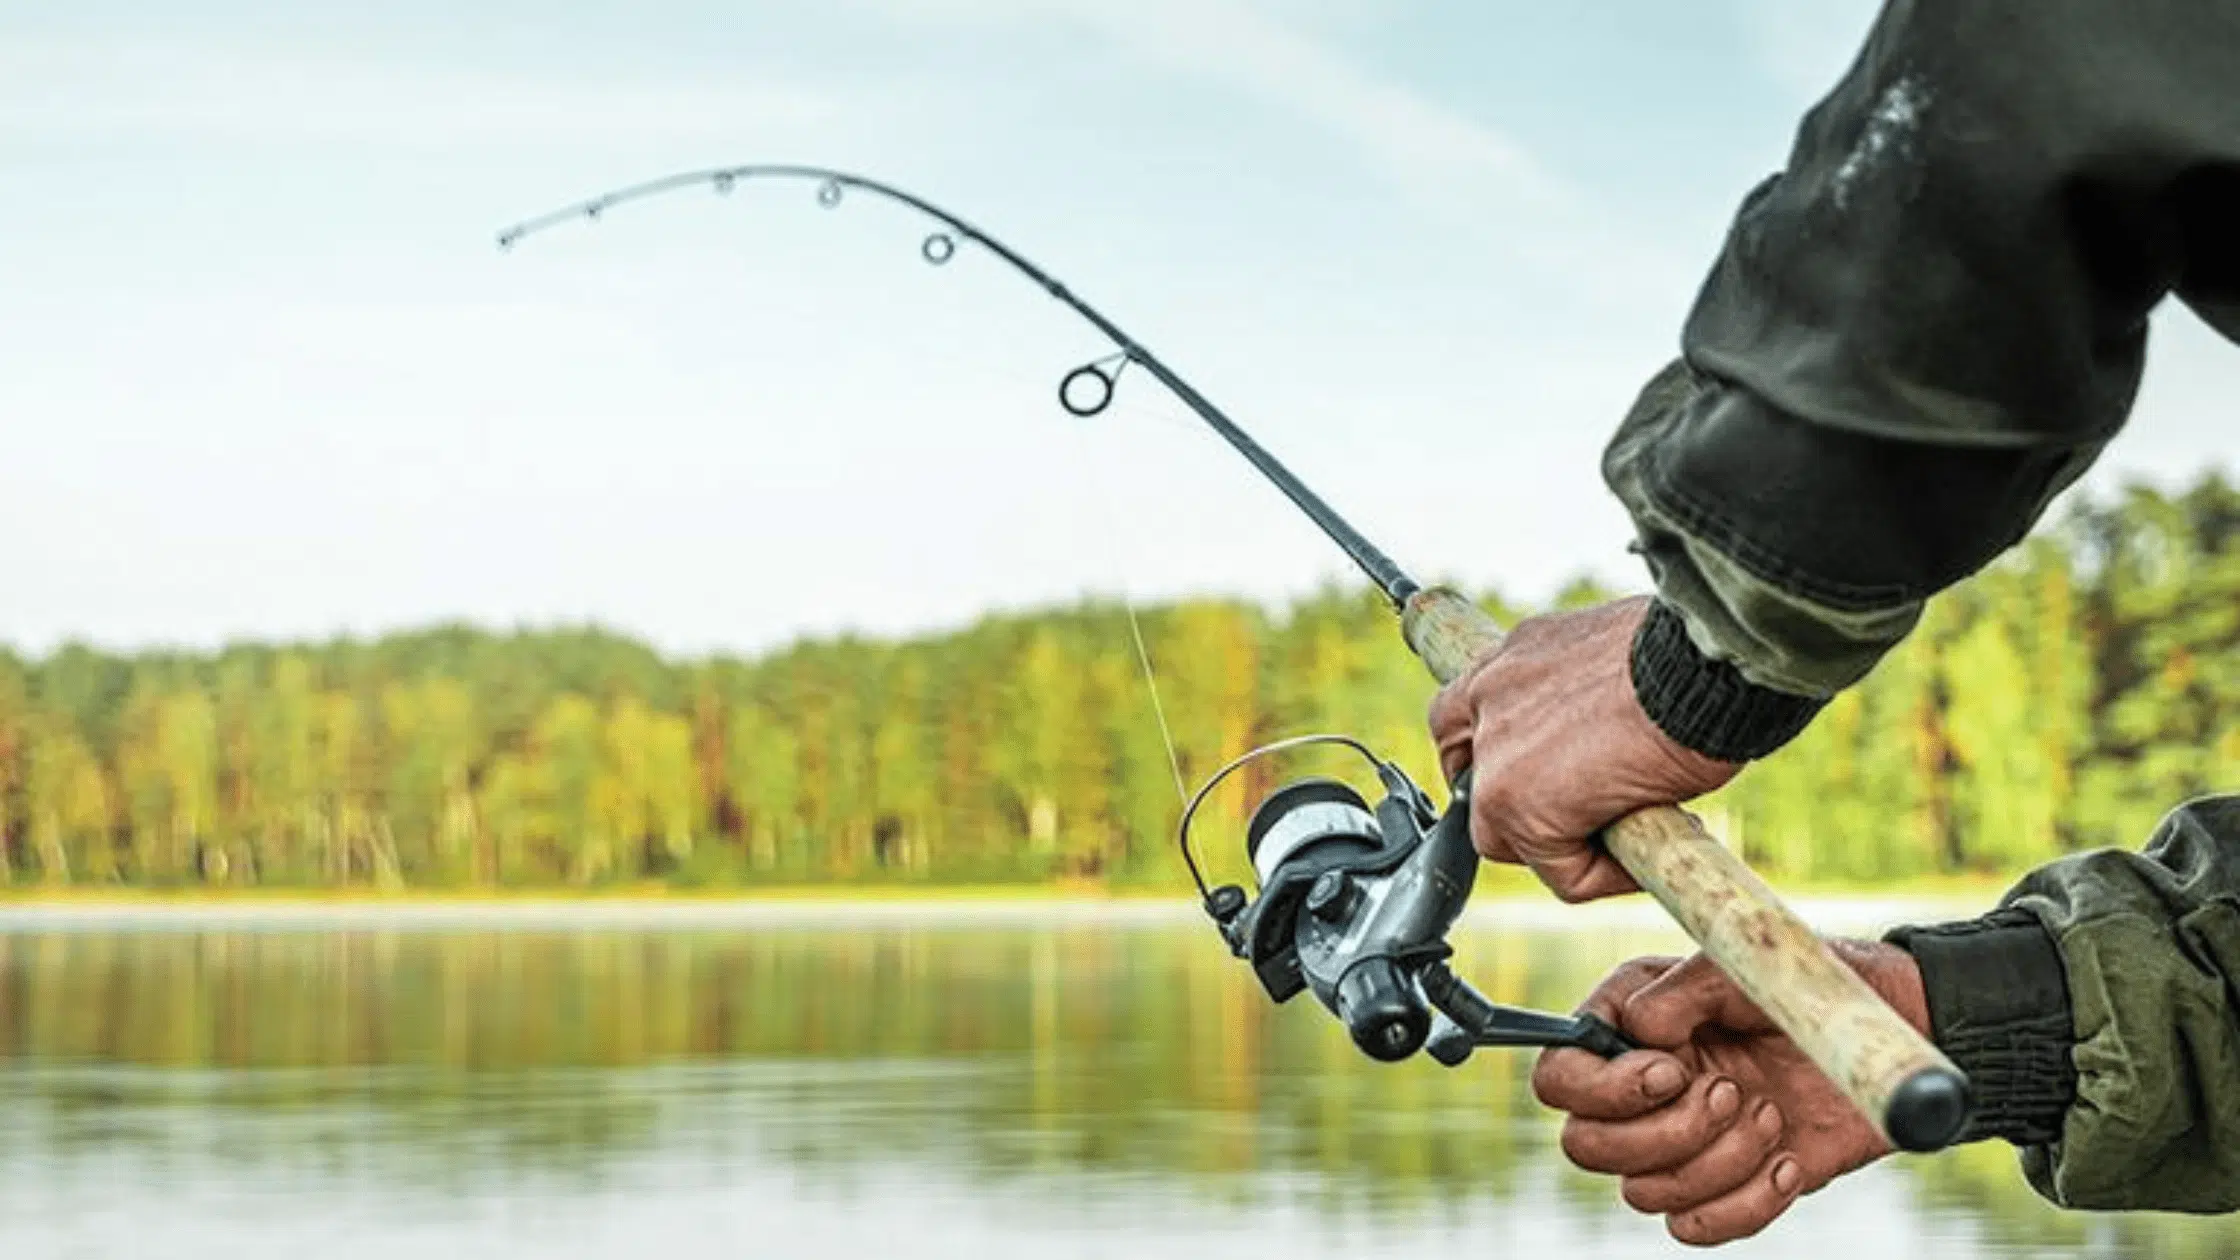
1355,903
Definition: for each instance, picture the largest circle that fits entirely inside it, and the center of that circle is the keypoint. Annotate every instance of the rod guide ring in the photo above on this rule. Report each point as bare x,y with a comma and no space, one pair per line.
1091,404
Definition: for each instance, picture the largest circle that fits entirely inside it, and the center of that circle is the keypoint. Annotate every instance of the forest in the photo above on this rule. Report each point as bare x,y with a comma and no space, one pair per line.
2062,700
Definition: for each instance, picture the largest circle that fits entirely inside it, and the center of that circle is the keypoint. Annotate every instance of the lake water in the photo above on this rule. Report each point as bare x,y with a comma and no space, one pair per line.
1006,1082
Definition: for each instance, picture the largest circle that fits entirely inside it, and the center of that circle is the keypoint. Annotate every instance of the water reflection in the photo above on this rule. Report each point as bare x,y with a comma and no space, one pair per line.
975,1088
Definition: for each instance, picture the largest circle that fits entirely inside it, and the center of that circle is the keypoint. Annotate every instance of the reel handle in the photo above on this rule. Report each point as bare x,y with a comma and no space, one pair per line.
1473,1020
1906,1086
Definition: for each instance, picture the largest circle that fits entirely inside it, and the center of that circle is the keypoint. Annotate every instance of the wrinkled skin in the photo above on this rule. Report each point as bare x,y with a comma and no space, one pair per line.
1719,1122
1561,747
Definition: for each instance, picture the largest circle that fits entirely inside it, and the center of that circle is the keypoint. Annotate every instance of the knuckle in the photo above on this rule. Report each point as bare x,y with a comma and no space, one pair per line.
1743,1152
1701,1126
1687,1119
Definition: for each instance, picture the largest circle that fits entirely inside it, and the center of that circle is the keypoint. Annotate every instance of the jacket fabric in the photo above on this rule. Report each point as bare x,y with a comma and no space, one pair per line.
1920,331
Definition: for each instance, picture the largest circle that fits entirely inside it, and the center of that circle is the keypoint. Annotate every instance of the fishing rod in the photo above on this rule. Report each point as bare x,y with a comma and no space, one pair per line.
1100,377
1355,901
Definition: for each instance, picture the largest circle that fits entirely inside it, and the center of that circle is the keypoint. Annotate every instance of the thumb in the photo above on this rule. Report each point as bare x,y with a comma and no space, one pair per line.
1672,1009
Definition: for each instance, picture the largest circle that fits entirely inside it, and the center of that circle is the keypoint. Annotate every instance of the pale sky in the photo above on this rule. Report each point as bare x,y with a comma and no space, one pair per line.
265,375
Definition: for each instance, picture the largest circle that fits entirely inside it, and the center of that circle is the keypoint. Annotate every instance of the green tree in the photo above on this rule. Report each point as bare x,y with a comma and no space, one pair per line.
2065,698
764,776
66,802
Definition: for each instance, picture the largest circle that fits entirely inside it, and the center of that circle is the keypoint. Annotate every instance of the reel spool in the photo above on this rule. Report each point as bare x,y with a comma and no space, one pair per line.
1355,902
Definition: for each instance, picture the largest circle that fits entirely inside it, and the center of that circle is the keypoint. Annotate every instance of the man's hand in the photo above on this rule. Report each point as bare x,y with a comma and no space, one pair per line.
1719,1123
1562,748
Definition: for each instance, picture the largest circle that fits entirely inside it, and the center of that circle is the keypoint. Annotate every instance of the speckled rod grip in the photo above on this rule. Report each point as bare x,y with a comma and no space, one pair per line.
1447,631
1914,1095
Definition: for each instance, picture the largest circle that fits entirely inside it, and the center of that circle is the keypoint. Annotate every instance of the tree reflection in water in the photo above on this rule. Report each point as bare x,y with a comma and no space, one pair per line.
1097,1052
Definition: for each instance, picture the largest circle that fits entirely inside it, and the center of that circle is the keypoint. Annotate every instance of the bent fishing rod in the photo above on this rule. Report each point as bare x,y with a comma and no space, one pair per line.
1085,391
1355,902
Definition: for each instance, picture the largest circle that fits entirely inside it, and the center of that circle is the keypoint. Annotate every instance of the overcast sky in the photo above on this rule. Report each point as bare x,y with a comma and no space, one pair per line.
263,373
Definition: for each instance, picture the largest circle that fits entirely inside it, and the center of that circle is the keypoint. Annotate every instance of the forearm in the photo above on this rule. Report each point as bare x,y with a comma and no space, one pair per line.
1795,555
1916,335
2093,1012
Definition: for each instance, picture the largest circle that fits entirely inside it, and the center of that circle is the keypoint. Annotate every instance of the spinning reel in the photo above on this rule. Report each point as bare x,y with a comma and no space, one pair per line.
1355,903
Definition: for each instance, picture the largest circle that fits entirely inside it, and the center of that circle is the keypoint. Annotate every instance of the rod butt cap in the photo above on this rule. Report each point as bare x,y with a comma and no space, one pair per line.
1928,1111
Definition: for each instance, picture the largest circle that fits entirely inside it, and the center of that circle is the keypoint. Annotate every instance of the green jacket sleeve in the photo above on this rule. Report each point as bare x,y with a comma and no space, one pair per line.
1919,332
2096,1016
2151,947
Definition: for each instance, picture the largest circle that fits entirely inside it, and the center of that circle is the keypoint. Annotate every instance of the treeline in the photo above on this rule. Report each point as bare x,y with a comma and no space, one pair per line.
2063,700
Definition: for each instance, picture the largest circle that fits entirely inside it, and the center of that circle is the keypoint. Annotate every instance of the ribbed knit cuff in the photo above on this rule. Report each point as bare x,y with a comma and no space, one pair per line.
1999,1007
1708,705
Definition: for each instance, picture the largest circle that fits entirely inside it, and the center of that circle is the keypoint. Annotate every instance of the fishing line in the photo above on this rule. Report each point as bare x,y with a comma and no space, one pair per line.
1158,710
1093,473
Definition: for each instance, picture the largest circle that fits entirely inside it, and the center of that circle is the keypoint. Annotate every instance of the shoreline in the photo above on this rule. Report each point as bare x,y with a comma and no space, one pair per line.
1852,912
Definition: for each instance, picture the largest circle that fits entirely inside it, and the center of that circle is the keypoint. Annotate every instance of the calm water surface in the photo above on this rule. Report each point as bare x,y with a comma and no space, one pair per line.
917,1086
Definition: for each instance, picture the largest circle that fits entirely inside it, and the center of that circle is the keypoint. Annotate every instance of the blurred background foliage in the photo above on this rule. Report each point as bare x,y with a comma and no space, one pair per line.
2062,700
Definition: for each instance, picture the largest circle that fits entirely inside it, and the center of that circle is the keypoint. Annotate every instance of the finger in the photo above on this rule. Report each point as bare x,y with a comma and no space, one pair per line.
1504,827
1670,1010
1454,758
1744,1211
1486,834
1608,997
1586,1084
1580,1081
1664,1138
1584,874
1489,846
1453,720
1731,1159
1493,806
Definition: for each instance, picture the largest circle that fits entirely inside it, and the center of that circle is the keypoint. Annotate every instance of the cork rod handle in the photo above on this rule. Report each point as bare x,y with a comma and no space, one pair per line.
1905,1085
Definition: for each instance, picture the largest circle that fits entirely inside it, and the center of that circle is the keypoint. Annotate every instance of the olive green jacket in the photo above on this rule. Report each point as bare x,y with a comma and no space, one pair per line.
1917,334
2151,950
